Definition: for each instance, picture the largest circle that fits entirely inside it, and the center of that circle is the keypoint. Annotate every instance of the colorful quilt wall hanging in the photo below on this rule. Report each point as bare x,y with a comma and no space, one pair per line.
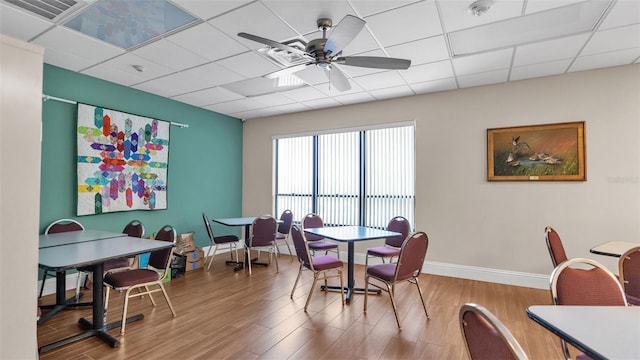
122,161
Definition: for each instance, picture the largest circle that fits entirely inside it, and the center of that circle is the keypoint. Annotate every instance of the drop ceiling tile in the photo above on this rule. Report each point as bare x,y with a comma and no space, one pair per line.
274,99
321,103
381,80
254,19
485,78
434,86
304,94
303,15
392,92
124,64
408,23
614,58
624,12
209,75
208,9
65,60
421,51
258,113
368,7
456,16
540,69
330,90
209,96
77,44
355,98
551,50
312,75
290,108
170,55
472,64
20,25
363,42
614,39
249,64
541,5
207,41
428,72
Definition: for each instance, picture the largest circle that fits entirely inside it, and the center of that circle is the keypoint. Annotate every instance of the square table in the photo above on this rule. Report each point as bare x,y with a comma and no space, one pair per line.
95,253
601,332
613,248
351,234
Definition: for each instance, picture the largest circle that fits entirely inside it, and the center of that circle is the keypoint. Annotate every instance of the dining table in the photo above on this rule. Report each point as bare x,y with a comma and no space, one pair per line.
94,253
601,332
613,248
350,235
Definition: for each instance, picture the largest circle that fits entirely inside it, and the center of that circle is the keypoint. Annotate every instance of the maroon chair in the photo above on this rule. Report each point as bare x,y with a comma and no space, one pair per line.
629,274
589,284
485,337
318,265
134,229
147,281
316,242
410,261
228,241
284,228
59,226
554,244
263,236
392,245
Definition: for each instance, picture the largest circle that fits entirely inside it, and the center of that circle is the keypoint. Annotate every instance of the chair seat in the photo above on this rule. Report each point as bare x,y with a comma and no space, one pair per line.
325,262
225,239
383,251
280,236
632,299
382,271
116,264
131,277
321,245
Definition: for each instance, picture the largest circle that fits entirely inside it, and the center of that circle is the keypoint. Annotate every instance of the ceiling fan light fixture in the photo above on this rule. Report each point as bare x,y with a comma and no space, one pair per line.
479,7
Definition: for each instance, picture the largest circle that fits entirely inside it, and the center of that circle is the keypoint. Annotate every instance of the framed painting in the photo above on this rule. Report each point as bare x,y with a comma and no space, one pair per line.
550,152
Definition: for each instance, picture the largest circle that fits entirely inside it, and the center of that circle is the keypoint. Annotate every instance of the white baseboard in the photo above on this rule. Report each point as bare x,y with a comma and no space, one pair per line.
536,281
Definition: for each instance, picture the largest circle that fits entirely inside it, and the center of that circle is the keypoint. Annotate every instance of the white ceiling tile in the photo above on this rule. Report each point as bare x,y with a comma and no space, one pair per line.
614,39
116,75
208,9
312,75
472,64
541,5
624,12
330,90
20,25
363,42
421,51
321,103
428,72
208,96
368,7
75,43
249,64
434,86
124,64
207,41
304,94
485,78
208,75
355,98
303,15
65,60
289,108
408,23
456,16
380,80
274,99
539,69
170,55
258,113
614,58
551,50
392,92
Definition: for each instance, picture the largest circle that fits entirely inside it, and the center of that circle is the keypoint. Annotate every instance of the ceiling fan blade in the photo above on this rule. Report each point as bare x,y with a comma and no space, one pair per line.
272,43
375,62
337,78
342,34
286,71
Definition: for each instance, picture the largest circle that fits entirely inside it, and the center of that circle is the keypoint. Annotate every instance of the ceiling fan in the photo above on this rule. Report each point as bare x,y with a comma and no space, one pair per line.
325,52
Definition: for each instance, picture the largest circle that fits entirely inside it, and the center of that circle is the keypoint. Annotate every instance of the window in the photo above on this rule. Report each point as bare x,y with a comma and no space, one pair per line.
362,177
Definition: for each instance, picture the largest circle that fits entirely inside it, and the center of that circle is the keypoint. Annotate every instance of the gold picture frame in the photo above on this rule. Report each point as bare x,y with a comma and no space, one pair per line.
548,152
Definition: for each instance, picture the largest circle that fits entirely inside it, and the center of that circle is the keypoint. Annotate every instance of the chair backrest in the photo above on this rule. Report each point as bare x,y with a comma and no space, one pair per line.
287,220
554,244
300,244
401,225
629,273
263,231
207,225
485,336
134,229
160,259
63,225
412,255
593,285
312,221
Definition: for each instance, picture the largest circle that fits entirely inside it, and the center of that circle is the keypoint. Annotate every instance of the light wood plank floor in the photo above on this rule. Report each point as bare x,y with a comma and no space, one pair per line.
224,314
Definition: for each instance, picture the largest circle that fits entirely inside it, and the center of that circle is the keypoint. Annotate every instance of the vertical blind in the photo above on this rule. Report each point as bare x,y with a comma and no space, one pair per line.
361,177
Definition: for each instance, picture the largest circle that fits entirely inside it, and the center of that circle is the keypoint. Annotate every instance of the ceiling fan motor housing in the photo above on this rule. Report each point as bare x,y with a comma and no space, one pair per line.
316,48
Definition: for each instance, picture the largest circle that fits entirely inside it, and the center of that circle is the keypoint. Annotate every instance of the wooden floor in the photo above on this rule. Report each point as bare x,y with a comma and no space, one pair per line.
224,314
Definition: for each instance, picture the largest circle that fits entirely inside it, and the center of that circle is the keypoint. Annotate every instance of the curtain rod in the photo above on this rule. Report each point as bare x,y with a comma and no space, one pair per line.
48,97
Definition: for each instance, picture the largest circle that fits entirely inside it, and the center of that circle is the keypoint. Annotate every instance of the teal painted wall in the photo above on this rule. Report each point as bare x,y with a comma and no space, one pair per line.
205,160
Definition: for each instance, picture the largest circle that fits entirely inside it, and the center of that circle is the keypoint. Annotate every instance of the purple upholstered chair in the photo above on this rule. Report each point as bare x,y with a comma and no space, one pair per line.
284,228
595,285
392,244
408,268
317,264
59,226
263,236
229,241
554,244
148,280
134,229
629,273
485,337
316,242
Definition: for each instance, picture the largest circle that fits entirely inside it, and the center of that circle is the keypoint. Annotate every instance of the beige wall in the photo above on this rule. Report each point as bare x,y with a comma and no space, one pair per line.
474,223
20,120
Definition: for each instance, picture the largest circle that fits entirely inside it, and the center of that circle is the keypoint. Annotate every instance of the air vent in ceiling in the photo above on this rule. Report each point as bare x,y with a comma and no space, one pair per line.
49,9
